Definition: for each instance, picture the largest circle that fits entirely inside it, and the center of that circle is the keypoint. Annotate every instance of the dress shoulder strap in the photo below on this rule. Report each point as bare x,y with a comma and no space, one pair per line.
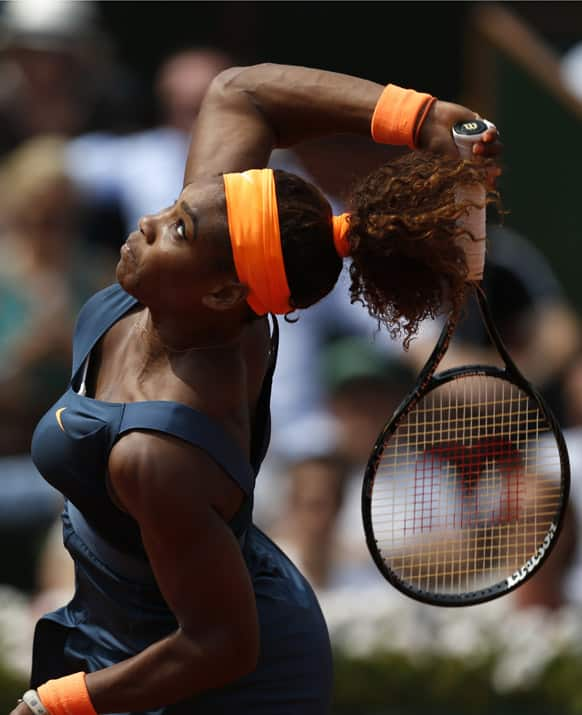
98,314
194,427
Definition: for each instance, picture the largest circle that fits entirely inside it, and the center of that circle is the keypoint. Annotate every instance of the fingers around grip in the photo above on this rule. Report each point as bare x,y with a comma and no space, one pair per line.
435,134
489,145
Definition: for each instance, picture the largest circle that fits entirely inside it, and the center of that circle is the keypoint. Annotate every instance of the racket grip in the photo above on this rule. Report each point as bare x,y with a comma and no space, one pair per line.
465,135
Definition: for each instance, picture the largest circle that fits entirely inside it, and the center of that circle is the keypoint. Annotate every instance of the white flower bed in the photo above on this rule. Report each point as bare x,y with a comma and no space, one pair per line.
521,643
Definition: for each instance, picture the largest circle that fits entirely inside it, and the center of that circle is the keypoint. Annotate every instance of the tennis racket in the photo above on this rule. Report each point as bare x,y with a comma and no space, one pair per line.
466,487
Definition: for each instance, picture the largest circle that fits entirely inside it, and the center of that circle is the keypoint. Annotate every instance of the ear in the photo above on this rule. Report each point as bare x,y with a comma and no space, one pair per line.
226,296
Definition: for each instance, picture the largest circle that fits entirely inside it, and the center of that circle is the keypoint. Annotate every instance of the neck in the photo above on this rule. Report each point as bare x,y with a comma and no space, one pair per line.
174,336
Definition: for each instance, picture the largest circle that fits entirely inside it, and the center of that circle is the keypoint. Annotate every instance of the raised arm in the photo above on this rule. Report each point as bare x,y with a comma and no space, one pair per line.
249,111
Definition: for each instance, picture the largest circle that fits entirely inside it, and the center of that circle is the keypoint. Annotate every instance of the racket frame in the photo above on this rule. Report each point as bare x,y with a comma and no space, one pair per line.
426,382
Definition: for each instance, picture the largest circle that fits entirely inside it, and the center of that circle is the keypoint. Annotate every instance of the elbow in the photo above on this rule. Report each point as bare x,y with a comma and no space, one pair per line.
241,648
224,80
227,654
244,655
238,80
226,89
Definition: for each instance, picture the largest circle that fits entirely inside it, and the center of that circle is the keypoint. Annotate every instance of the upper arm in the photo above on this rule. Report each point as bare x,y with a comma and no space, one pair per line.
182,500
230,132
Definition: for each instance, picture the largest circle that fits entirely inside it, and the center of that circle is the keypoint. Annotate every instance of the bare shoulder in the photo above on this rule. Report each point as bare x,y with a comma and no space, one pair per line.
152,473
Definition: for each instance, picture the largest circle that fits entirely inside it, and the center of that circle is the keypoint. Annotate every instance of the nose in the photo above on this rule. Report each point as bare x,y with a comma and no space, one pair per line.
147,226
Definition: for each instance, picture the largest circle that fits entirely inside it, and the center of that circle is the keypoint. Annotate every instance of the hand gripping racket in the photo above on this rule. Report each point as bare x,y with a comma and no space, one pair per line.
466,487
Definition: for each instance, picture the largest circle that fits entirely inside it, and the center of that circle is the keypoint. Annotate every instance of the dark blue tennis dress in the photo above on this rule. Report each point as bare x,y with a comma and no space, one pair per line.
117,609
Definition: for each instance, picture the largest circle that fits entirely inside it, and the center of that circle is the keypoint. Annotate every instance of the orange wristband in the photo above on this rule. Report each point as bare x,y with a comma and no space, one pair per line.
66,696
399,115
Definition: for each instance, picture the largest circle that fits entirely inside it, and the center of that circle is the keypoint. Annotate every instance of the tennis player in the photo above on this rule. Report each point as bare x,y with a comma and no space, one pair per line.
181,604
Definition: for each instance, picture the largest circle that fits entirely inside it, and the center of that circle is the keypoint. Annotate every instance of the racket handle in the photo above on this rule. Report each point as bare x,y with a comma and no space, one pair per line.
465,134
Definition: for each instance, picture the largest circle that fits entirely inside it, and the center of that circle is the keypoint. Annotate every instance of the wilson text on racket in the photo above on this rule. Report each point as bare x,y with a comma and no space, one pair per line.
531,563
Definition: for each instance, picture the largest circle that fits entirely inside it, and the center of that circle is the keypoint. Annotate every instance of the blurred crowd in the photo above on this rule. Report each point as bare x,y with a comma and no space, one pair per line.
73,146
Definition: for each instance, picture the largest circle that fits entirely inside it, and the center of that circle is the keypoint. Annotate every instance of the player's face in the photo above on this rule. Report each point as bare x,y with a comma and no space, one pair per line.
175,256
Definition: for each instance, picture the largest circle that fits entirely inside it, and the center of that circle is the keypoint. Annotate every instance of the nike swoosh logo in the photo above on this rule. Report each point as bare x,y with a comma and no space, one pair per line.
58,414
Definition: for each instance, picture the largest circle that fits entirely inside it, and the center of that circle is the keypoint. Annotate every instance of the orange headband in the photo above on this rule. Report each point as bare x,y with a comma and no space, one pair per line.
253,225
399,114
66,695
341,226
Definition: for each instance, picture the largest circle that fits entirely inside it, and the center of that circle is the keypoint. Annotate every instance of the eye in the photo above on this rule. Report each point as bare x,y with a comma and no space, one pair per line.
181,229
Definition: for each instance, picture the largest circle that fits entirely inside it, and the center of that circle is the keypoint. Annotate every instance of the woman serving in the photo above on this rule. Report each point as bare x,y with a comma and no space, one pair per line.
182,605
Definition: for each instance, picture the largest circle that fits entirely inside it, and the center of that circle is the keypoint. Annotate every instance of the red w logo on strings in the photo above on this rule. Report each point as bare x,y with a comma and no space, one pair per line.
457,486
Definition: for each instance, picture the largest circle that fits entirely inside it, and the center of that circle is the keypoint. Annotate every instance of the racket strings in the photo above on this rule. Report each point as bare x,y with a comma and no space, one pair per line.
467,486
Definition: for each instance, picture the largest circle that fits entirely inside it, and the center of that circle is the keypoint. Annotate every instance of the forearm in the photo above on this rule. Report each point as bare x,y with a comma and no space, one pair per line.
301,103
251,110
170,670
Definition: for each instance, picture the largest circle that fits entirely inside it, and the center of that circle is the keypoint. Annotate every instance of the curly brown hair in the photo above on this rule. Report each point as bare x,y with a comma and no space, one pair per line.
404,227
